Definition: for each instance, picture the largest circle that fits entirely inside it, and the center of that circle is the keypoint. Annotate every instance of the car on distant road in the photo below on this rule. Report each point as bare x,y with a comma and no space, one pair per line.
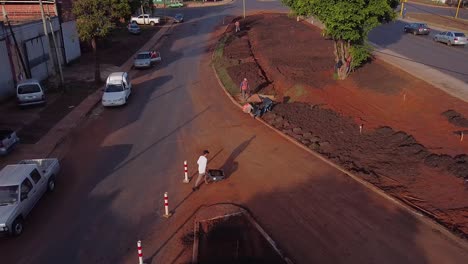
118,89
8,140
456,2
21,186
146,59
417,29
30,92
175,4
145,19
179,18
133,28
451,38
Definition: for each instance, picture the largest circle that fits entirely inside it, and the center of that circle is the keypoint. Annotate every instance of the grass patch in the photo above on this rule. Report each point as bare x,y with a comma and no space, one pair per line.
221,64
295,93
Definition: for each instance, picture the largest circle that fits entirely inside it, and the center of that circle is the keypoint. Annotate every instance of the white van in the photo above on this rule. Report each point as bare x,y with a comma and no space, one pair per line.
118,89
30,92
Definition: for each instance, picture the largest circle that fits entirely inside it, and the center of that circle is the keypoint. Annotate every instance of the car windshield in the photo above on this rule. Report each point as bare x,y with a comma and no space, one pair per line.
8,195
28,88
114,88
143,56
459,34
422,25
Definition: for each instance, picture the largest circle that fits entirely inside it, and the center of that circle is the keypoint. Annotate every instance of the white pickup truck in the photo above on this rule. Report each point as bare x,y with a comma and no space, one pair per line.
21,186
145,19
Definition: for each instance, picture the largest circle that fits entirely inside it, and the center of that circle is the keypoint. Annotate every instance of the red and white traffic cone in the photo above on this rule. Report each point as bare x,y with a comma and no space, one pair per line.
167,214
140,253
186,179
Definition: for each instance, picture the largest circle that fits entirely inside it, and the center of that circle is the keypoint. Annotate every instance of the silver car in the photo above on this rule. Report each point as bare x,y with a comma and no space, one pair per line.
451,38
146,59
133,28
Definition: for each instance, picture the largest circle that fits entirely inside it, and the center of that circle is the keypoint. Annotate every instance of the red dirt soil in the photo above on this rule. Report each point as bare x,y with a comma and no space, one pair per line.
410,143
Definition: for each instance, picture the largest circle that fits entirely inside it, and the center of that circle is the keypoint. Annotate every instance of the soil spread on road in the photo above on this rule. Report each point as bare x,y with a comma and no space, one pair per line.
394,130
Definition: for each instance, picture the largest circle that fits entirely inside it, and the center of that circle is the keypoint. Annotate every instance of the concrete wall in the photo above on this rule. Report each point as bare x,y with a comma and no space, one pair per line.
71,41
7,86
33,49
34,46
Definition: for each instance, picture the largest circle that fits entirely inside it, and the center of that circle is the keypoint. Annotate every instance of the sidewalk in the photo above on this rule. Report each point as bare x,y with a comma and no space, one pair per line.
442,81
49,142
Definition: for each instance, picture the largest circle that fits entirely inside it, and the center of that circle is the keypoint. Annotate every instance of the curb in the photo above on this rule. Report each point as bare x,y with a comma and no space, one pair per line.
427,220
429,5
93,100
194,4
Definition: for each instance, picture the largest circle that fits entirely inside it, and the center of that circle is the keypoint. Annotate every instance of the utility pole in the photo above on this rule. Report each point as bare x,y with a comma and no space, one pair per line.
458,8
44,23
402,7
243,4
59,61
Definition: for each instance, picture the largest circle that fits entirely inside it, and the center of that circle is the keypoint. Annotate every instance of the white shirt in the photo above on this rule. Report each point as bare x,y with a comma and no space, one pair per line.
202,161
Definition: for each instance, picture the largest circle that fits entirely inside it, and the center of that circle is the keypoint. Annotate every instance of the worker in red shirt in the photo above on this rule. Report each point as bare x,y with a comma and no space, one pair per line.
244,88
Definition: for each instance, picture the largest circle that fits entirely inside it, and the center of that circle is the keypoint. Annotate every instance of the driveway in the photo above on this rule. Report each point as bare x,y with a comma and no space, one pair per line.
122,160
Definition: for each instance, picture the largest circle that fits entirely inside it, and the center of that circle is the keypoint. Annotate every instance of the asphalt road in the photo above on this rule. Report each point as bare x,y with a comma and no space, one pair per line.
441,11
122,160
451,60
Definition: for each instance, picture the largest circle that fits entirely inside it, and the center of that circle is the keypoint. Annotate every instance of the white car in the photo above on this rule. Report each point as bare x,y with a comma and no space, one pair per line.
30,92
118,89
451,38
145,19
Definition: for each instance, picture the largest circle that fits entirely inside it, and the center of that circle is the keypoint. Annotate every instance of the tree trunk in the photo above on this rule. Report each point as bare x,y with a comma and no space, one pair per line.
342,58
97,70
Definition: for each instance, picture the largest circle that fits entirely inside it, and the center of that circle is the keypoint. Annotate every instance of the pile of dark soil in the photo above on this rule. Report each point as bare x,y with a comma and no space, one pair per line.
380,152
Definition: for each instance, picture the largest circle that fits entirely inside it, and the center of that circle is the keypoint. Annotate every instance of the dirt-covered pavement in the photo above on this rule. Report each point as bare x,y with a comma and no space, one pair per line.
410,143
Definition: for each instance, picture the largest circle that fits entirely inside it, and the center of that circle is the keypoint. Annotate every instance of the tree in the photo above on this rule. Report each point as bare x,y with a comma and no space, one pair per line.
347,22
95,19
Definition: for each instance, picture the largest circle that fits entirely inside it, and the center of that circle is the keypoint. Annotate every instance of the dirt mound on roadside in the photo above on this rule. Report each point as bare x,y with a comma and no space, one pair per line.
381,123
382,151
455,118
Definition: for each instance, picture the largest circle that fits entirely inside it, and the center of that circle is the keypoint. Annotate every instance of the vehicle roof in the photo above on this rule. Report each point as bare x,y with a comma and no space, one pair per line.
144,52
15,174
29,81
115,77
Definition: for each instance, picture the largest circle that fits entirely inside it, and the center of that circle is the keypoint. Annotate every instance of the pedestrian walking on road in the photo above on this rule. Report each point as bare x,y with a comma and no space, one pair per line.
237,26
244,87
202,162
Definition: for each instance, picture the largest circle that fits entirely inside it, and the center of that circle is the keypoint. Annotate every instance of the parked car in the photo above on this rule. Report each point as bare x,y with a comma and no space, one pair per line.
133,28
118,89
145,19
417,29
146,59
175,4
451,38
21,186
455,3
8,140
30,92
179,18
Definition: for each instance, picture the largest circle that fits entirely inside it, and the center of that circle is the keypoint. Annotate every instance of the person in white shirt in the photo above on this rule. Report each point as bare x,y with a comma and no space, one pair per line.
202,162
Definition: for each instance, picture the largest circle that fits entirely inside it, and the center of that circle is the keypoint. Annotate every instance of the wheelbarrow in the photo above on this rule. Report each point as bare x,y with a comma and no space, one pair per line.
214,176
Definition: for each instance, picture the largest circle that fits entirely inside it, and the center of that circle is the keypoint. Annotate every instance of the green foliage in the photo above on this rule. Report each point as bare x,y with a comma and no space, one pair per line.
360,54
347,21
95,18
135,6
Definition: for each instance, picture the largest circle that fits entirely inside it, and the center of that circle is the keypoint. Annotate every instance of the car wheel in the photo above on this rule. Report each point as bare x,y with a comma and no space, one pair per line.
152,23
51,184
17,227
